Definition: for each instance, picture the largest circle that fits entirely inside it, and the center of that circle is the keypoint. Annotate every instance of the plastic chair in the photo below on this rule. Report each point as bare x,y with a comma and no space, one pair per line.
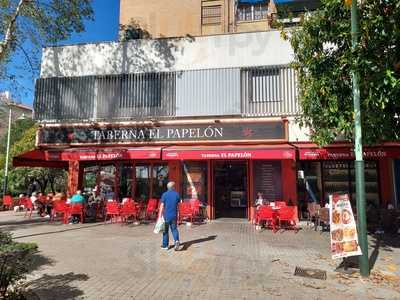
288,214
185,212
280,203
195,204
76,209
268,215
151,209
128,209
7,202
112,210
28,208
62,208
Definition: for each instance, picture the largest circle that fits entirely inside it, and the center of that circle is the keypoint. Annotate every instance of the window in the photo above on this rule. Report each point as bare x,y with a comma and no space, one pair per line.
160,180
211,15
252,12
194,180
142,90
264,85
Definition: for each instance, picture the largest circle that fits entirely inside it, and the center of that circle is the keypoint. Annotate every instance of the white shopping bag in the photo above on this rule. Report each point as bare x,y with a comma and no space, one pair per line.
160,225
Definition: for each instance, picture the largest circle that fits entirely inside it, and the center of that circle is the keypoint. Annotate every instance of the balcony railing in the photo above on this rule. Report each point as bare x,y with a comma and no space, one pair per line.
260,91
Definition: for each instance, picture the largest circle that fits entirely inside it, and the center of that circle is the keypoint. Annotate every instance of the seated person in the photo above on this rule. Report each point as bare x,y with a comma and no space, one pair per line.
259,200
76,199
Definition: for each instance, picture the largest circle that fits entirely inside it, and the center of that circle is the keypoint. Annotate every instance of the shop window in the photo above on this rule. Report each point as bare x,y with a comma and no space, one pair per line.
194,181
159,180
90,178
126,181
264,85
107,182
142,190
252,12
211,15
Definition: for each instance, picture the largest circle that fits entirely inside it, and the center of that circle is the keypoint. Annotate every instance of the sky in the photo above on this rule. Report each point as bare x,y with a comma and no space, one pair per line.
103,28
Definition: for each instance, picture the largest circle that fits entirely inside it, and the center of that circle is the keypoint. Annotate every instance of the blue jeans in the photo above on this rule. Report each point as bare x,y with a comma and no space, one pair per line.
174,229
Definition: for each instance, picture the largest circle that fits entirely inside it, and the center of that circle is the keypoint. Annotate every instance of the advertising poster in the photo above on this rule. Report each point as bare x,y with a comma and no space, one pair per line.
344,238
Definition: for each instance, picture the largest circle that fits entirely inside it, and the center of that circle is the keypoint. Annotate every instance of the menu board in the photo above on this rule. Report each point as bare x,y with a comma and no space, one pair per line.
344,238
267,180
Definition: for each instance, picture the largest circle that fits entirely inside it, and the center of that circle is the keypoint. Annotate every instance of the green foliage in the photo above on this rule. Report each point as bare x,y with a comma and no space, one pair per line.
18,129
324,61
20,178
15,259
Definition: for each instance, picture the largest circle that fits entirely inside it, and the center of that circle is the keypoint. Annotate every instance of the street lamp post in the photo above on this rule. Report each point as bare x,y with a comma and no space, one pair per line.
7,150
358,150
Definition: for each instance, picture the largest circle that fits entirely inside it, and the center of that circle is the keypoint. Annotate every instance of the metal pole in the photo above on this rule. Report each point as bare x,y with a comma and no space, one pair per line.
358,150
7,151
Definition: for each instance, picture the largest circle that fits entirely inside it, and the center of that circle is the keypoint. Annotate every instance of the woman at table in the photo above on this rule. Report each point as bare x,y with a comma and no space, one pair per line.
259,200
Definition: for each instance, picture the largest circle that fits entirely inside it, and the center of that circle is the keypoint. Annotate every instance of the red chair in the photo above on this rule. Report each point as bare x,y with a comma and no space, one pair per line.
112,210
288,215
152,209
128,209
28,208
60,207
7,202
280,203
195,204
76,209
185,212
268,215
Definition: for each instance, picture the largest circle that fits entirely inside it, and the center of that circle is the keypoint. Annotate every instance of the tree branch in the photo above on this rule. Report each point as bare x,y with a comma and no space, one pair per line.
10,29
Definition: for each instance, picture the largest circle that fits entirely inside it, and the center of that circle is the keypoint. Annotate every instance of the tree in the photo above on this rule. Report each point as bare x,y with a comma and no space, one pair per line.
20,178
28,25
323,59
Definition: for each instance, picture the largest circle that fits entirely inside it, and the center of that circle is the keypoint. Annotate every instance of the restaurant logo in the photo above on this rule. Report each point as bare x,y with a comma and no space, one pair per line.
189,133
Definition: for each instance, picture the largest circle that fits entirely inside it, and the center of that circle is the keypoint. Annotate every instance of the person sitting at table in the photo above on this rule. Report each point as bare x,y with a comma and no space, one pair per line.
259,200
76,199
37,204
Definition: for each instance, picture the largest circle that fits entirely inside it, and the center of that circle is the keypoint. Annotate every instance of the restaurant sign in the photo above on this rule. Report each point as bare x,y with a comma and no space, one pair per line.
173,133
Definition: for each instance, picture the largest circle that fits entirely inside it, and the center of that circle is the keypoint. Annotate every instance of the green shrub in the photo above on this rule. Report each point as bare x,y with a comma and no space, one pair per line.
15,260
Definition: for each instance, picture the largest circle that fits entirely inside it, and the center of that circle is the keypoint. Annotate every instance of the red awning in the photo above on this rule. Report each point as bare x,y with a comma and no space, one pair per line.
341,152
273,152
60,158
37,158
94,154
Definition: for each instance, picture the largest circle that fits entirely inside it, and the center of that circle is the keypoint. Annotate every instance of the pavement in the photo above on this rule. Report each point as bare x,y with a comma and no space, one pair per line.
225,259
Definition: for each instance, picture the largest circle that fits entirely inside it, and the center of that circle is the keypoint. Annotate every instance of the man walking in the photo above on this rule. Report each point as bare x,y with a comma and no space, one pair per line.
169,210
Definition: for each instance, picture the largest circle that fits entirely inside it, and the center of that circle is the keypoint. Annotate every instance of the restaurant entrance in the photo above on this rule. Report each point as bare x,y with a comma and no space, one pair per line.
230,189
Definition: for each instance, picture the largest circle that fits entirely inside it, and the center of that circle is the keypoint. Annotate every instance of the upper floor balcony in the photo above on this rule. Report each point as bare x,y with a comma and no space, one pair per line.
242,75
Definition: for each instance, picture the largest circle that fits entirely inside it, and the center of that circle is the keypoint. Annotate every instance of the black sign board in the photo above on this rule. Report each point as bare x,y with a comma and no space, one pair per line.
164,133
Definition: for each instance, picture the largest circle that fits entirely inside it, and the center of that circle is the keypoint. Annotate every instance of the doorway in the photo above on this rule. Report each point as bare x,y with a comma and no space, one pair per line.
230,189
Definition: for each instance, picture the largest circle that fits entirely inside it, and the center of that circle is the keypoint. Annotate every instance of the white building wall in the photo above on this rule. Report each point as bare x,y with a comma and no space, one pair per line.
297,133
190,53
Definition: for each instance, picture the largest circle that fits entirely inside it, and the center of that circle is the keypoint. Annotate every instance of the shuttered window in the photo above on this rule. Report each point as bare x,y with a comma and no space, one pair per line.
211,14
264,85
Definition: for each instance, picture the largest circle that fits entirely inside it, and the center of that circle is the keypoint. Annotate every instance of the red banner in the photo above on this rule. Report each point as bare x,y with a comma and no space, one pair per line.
228,154
346,153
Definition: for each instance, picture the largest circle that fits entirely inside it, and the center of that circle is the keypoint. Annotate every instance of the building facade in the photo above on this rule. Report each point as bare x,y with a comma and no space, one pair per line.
215,113
18,111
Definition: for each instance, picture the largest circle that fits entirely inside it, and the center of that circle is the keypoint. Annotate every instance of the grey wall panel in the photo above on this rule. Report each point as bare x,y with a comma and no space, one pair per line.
269,91
208,92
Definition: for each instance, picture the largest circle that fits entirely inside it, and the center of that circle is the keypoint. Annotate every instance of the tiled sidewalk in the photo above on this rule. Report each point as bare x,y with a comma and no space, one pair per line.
221,260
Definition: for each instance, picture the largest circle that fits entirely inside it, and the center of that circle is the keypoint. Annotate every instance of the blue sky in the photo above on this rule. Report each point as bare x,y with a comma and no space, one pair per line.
103,28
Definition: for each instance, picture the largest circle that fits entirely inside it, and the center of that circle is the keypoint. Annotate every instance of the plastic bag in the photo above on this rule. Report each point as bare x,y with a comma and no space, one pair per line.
160,225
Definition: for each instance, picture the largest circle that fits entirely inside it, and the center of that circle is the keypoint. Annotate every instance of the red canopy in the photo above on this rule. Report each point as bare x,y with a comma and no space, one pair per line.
37,158
273,152
60,158
344,152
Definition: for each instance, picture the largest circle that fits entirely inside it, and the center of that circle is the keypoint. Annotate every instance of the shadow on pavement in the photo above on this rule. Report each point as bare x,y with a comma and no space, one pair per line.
73,228
187,244
56,286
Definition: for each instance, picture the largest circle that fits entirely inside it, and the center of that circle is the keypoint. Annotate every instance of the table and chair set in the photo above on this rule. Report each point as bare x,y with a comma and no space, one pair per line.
277,215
